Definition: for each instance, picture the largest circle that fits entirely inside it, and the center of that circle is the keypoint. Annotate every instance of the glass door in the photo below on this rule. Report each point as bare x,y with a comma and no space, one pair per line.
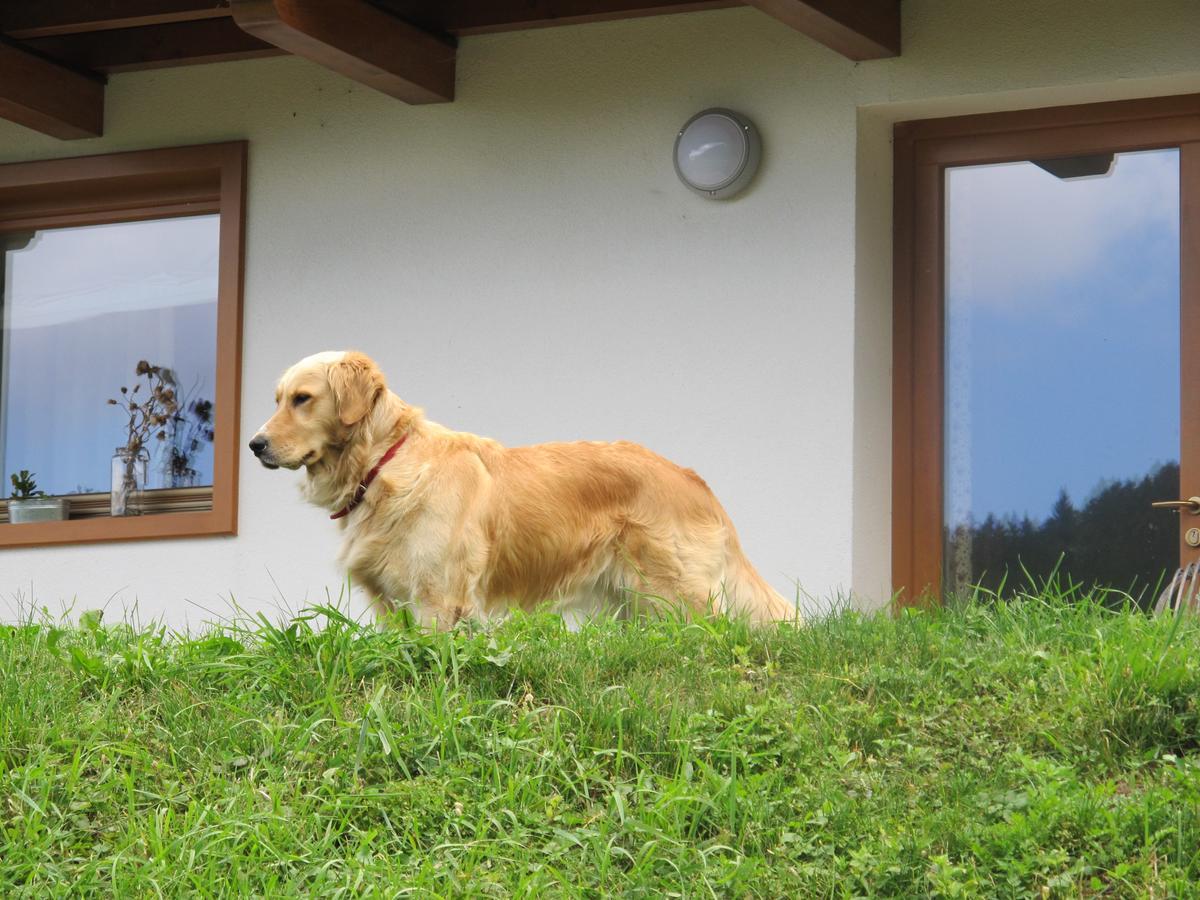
1046,349
1062,373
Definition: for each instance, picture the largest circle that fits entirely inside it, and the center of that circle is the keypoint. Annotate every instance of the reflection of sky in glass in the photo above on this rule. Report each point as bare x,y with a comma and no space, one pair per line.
1062,332
81,306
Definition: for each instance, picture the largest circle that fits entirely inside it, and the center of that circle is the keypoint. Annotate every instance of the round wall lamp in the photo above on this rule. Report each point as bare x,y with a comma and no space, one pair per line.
717,152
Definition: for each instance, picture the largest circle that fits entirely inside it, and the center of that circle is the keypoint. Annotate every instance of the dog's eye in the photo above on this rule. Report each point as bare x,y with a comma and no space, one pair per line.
300,399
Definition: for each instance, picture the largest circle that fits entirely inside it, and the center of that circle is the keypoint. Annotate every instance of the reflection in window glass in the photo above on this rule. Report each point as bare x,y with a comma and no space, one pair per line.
1062,374
81,308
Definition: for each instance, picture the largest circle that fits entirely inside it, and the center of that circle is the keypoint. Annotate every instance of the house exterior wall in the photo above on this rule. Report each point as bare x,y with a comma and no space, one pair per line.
524,264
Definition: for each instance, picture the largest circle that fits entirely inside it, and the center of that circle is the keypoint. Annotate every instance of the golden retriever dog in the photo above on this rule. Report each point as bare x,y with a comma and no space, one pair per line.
454,525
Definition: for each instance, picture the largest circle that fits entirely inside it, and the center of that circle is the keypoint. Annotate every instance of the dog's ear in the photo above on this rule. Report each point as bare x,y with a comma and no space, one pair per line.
357,384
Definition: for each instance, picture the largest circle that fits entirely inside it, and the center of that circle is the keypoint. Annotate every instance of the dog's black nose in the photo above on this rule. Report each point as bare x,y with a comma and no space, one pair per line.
258,444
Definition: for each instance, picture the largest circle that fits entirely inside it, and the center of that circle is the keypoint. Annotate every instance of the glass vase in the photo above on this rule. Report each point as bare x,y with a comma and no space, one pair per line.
178,475
129,469
183,479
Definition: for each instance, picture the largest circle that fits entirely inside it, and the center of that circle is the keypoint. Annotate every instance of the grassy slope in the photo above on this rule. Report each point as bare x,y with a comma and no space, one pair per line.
1037,748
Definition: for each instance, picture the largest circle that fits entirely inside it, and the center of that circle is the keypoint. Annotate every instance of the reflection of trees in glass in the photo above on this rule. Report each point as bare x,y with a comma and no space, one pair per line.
1115,540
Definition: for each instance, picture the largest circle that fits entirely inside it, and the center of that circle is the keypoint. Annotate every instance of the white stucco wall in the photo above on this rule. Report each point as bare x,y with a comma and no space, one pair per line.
524,264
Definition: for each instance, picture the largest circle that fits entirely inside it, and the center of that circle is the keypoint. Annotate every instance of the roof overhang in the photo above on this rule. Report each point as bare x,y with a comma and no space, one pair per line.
55,54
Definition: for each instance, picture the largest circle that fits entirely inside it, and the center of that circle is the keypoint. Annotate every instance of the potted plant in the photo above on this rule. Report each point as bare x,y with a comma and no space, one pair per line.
147,419
28,504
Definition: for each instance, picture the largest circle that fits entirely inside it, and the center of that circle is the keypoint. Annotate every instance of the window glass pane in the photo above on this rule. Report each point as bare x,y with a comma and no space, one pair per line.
81,308
1062,373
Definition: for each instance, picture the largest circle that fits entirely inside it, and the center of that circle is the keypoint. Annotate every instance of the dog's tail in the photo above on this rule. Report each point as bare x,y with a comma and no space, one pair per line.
747,593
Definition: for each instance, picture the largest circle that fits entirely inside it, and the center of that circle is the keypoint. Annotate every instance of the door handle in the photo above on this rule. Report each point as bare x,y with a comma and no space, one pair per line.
1192,505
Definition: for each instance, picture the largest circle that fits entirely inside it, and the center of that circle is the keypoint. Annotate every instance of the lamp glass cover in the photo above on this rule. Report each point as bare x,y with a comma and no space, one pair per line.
711,151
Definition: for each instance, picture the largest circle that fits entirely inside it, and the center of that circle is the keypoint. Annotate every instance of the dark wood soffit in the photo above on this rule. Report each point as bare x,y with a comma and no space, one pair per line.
858,29
357,40
49,98
462,18
126,35
26,20
23,19
155,46
129,35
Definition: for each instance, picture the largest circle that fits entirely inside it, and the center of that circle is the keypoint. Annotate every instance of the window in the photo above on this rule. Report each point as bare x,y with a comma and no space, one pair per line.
120,321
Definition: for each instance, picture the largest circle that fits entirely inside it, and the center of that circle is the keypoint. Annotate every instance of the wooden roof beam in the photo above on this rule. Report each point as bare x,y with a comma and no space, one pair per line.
859,29
357,40
49,98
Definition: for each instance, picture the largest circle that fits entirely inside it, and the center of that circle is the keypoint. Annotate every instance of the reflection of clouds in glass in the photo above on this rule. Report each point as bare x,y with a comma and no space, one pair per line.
1015,231
1061,331
73,274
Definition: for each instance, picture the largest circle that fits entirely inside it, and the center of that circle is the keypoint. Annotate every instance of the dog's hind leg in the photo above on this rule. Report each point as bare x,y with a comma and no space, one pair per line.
651,578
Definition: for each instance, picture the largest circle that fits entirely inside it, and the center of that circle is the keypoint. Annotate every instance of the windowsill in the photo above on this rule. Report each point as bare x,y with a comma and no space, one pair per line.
169,512
155,502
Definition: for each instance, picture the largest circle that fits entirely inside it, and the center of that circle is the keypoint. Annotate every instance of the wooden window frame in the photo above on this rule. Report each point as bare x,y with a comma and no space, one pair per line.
923,151
131,187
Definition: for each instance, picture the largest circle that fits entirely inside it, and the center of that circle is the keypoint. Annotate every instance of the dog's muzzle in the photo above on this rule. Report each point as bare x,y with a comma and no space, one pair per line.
258,446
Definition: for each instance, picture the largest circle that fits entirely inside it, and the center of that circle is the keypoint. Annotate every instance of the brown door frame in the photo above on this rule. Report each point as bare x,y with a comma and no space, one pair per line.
923,151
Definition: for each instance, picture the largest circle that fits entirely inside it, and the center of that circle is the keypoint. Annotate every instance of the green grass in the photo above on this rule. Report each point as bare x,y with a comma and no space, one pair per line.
1034,748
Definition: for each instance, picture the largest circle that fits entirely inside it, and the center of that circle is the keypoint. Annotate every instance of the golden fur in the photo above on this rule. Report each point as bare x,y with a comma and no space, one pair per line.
457,525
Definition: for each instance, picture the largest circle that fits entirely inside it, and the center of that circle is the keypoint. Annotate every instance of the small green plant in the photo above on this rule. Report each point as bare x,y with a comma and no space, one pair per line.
24,486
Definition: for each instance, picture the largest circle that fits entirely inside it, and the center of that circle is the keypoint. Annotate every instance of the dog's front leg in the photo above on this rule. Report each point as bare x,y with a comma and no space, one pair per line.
381,602
440,614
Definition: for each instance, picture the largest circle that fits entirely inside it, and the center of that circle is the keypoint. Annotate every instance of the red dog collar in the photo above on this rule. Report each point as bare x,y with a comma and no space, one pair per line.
361,491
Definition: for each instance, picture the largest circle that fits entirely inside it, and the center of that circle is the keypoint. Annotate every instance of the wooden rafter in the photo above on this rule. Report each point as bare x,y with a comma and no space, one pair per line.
358,40
48,97
859,29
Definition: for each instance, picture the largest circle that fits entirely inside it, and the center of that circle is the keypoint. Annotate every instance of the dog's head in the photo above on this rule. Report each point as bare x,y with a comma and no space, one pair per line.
318,402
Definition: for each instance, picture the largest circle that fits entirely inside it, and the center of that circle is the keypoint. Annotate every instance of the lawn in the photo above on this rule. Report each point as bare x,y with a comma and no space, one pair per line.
1040,747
